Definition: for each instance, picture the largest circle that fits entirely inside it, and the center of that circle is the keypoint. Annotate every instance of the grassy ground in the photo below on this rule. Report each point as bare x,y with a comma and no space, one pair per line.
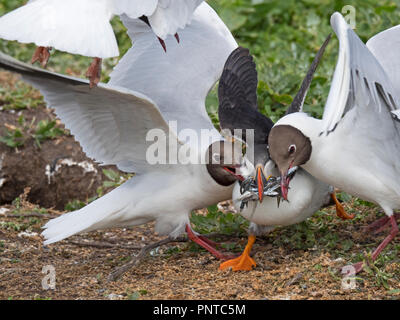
298,262
301,261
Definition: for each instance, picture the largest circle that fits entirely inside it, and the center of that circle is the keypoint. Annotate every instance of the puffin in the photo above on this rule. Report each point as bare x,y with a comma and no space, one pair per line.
356,144
149,122
238,112
83,26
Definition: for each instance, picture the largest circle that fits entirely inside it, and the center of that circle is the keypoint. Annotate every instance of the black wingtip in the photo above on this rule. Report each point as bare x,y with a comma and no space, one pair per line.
239,74
298,101
237,95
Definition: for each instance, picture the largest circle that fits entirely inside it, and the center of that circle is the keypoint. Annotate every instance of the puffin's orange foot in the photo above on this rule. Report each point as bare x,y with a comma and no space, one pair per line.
242,263
340,212
94,72
41,54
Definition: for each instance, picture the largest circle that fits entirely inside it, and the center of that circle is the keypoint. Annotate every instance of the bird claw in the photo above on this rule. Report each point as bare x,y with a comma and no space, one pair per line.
41,54
163,45
94,72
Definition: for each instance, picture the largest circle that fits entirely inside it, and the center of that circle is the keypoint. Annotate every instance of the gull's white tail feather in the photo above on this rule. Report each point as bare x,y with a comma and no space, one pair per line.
115,209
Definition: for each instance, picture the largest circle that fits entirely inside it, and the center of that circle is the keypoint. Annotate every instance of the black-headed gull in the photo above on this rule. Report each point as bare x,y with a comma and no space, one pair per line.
83,26
356,145
112,121
238,110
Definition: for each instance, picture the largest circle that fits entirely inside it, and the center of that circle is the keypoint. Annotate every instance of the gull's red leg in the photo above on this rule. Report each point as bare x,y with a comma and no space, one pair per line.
177,37
94,72
380,224
390,237
206,244
395,229
210,242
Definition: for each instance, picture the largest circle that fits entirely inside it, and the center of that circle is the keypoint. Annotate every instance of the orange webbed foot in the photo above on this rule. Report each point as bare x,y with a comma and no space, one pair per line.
244,262
340,212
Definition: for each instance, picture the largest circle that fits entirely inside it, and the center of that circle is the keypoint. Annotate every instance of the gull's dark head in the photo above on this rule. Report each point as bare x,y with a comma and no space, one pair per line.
224,158
288,148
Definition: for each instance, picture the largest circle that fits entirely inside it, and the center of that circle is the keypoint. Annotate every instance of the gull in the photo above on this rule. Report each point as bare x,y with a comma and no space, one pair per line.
356,145
238,110
83,26
113,123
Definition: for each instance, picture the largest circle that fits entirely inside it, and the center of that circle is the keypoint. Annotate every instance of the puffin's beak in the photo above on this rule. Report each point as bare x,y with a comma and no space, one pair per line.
261,180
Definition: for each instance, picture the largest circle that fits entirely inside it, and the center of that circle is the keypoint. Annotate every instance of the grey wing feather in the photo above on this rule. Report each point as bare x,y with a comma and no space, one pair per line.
110,123
298,101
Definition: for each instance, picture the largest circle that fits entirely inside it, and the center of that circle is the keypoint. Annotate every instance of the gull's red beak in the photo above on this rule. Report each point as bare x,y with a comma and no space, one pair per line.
232,170
285,180
285,186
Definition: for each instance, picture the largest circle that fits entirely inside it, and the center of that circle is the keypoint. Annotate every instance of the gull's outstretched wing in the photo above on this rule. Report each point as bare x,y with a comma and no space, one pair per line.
178,80
172,15
135,8
165,16
359,79
386,48
298,101
110,123
76,26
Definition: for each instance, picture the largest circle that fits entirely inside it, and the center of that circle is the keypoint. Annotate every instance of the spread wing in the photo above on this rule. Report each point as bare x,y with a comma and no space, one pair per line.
237,95
298,101
110,123
385,46
362,102
359,79
76,26
179,80
170,16
135,8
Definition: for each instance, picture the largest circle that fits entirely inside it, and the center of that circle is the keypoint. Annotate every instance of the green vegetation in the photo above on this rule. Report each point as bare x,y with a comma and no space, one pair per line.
46,130
15,137
216,221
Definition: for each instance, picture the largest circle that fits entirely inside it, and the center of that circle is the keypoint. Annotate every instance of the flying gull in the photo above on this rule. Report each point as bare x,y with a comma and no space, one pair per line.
83,26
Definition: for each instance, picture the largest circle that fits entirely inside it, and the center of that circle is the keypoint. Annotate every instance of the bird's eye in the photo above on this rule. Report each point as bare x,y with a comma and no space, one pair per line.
292,149
216,158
